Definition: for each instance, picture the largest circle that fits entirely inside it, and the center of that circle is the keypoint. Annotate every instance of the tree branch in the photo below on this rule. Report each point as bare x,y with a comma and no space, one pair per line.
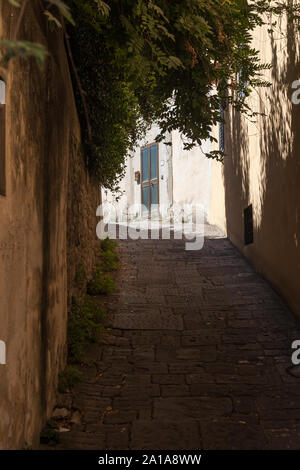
19,21
81,91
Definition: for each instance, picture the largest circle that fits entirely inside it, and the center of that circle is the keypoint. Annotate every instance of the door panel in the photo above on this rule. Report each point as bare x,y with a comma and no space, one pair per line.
145,165
153,164
154,194
146,198
150,177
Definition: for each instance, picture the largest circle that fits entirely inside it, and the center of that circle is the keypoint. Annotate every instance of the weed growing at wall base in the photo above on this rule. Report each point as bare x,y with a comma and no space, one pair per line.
80,276
100,284
84,326
109,261
49,434
68,378
85,321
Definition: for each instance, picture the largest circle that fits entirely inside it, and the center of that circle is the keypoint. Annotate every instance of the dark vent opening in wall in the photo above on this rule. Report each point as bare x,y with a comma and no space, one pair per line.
248,225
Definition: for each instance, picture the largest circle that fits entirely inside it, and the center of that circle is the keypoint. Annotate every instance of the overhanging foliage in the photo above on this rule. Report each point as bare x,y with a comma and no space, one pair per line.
170,62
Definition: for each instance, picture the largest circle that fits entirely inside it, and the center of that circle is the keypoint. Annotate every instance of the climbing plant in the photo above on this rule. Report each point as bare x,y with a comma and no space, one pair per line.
135,62
112,122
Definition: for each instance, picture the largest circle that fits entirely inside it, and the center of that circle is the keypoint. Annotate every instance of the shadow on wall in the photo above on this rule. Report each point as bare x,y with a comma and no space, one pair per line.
236,171
265,170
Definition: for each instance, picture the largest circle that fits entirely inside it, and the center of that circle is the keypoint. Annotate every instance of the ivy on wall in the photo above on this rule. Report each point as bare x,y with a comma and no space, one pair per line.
113,110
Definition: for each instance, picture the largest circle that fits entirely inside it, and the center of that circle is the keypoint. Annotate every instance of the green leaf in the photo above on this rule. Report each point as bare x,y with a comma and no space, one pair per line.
24,49
103,8
175,62
15,3
52,18
64,9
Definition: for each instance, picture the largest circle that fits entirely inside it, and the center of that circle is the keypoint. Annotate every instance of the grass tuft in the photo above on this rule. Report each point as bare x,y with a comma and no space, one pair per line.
84,326
49,434
68,378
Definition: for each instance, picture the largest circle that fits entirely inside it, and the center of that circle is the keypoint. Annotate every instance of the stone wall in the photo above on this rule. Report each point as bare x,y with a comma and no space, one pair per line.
84,196
43,229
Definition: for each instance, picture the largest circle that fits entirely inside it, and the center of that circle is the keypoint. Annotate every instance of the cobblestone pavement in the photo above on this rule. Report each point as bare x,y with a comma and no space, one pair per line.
196,357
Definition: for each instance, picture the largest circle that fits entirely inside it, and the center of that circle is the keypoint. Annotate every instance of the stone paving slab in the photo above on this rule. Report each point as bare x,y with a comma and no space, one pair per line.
195,356
165,434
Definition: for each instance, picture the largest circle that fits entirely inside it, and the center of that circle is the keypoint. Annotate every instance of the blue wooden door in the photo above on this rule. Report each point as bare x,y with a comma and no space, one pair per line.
150,181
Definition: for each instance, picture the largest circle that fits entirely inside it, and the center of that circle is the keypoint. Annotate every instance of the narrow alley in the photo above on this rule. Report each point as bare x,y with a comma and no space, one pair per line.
196,356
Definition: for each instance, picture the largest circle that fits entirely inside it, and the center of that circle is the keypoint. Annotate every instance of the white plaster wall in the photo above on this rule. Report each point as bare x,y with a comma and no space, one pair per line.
191,174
